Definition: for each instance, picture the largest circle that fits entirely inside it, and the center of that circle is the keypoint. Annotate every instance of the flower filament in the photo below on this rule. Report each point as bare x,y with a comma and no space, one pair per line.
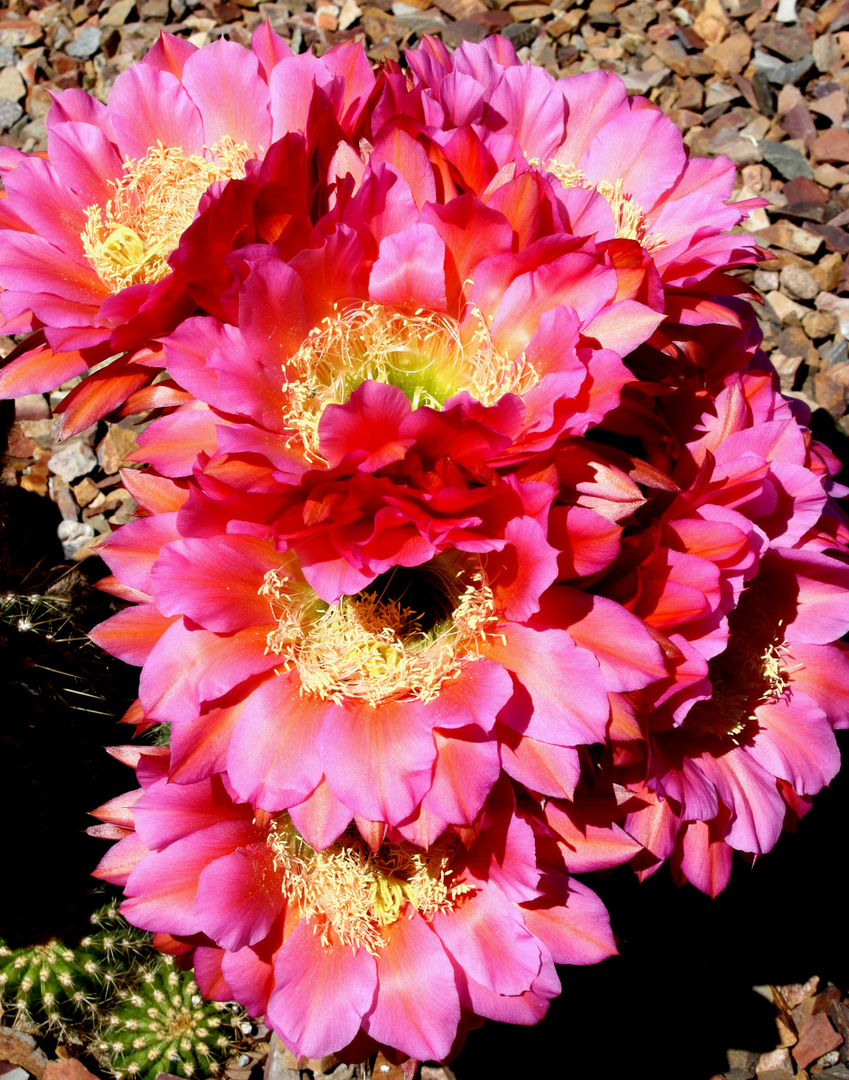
371,647
629,219
750,672
423,353
128,241
354,895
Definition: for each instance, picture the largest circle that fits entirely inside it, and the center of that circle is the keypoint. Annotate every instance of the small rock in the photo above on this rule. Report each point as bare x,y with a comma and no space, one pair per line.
832,146
837,305
18,1048
785,235
114,448
820,324
86,43
67,504
837,352
12,85
793,43
786,161
788,311
790,73
73,535
827,272
826,52
32,407
86,491
775,1065
798,283
75,458
67,1069
117,13
766,280
519,34
732,55
829,392
817,1036
10,114
8,56
833,106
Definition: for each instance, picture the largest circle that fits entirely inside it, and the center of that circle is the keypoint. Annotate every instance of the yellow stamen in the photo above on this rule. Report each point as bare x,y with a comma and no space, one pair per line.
129,240
750,672
353,894
629,219
424,353
371,648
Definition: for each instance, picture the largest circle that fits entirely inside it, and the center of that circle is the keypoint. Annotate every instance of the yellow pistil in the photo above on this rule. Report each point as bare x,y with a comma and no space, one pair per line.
750,672
354,894
423,353
129,240
370,647
629,220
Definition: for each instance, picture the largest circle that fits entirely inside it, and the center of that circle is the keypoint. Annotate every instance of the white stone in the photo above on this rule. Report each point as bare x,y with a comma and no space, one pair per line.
790,313
12,85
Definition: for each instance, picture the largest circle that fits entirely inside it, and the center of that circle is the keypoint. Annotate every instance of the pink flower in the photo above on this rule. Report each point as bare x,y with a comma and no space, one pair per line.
367,942
129,179
380,703
741,572
589,138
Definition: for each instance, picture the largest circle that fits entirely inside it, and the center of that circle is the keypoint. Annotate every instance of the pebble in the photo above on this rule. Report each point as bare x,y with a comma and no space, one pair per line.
798,283
788,311
75,458
73,535
12,85
85,44
786,161
10,114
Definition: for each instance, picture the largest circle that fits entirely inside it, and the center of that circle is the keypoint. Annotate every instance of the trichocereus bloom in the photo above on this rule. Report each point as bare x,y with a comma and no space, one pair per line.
87,236
367,942
617,156
397,701
743,571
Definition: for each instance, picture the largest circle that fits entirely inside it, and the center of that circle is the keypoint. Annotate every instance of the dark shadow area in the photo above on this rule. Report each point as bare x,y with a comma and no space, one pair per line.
59,700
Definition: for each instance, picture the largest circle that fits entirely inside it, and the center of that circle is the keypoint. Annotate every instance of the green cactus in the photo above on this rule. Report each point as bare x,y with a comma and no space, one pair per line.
49,985
162,1024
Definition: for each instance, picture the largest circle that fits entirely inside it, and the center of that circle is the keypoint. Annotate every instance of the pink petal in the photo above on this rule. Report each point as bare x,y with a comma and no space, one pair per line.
487,937
273,758
321,818
162,889
132,633
322,992
423,1026
577,933
224,82
410,270
796,743
568,700
378,760
216,582
239,896
150,106
189,667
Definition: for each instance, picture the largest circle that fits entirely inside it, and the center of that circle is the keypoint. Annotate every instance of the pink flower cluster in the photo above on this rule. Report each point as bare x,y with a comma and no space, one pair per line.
476,546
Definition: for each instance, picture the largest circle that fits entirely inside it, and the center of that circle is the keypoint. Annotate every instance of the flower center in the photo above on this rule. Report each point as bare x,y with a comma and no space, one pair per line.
357,894
374,647
129,240
629,219
750,672
424,354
